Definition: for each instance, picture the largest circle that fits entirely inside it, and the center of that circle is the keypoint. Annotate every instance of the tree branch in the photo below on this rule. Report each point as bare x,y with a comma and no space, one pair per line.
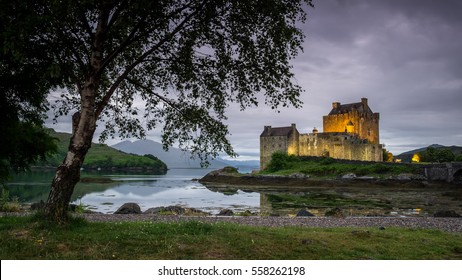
116,14
131,37
105,100
150,91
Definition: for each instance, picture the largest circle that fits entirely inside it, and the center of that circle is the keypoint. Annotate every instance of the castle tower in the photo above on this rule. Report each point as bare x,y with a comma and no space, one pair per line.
278,139
356,118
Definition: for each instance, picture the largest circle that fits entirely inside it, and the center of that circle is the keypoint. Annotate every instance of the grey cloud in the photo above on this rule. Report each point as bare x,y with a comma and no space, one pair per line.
405,56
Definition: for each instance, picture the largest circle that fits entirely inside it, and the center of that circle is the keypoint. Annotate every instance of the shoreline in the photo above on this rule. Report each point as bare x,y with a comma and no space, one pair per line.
453,225
291,180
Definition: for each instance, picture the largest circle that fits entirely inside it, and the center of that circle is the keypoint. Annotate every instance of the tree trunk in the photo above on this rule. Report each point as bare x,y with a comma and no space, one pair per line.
83,126
68,173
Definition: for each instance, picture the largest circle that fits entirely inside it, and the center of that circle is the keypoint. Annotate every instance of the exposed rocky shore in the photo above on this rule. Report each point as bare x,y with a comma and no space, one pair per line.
228,176
130,212
445,224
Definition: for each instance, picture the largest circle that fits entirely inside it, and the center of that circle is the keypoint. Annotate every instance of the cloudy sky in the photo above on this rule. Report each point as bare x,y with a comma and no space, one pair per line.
405,56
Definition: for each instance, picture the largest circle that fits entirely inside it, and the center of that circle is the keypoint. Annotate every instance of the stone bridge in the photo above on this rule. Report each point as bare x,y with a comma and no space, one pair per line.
449,172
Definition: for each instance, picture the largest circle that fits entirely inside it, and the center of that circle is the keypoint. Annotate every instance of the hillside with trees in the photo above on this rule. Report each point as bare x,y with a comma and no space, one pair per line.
432,153
101,156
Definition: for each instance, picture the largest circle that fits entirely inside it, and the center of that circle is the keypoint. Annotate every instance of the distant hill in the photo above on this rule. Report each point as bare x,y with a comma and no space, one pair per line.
407,156
174,157
101,156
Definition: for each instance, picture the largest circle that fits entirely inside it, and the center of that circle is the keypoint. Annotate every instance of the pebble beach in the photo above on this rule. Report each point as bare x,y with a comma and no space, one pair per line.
444,224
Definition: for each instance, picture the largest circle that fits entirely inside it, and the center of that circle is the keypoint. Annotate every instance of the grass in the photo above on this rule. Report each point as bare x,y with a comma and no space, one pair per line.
27,238
282,164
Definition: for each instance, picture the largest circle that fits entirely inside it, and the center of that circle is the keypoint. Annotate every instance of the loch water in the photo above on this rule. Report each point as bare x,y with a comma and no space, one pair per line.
179,187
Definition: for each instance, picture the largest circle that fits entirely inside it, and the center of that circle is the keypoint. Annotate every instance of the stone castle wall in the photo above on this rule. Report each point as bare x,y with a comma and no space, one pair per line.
335,145
340,146
270,145
365,125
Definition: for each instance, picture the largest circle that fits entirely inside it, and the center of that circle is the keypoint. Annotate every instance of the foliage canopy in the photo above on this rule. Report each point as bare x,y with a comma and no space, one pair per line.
185,61
141,64
25,82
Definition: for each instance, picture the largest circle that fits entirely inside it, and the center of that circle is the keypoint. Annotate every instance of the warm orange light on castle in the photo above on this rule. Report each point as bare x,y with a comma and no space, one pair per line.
292,150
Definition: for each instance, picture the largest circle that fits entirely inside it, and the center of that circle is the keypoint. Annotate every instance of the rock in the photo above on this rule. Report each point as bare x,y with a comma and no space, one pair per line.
349,176
298,175
226,212
304,213
418,177
366,177
175,210
195,212
37,205
335,212
129,208
447,214
404,177
381,228
154,210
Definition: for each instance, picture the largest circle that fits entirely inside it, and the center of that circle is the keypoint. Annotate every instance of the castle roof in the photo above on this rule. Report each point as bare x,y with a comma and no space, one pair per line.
360,107
277,131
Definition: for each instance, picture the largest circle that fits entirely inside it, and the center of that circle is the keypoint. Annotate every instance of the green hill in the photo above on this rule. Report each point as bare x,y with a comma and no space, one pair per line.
101,156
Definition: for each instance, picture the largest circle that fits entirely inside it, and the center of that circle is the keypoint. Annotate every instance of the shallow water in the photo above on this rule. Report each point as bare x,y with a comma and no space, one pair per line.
178,188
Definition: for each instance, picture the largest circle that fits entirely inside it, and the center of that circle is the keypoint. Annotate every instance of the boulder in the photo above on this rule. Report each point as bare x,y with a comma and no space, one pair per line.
226,212
335,212
129,208
37,205
447,214
304,213
349,176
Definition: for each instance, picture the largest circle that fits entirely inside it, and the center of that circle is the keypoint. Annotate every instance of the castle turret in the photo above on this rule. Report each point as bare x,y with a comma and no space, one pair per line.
364,101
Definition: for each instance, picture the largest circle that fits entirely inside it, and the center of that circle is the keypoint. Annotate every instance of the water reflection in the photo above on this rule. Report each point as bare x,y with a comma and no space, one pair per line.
354,201
175,188
178,188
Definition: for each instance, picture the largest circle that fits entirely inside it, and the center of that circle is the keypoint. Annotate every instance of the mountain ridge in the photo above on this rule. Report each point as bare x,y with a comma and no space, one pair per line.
174,157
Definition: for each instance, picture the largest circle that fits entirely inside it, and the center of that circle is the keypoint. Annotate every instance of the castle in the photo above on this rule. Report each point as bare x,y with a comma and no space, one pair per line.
351,131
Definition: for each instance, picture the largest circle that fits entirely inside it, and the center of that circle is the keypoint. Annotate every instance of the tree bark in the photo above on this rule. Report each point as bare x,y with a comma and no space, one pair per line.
83,126
68,173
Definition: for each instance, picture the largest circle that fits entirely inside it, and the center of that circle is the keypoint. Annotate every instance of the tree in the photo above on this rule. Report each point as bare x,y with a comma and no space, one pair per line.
432,154
186,60
387,155
23,90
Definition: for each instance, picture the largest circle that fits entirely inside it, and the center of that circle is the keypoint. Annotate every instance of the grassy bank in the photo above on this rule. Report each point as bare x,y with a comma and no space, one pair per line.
104,157
24,238
283,164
